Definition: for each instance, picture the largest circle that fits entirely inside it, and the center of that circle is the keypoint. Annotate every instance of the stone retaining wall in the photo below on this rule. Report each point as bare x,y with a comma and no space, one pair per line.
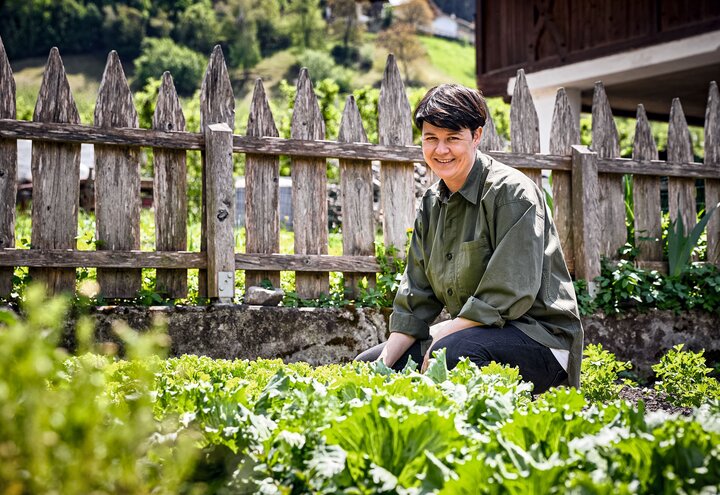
322,336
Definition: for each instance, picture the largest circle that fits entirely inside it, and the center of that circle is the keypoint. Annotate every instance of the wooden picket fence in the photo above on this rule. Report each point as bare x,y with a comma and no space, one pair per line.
587,184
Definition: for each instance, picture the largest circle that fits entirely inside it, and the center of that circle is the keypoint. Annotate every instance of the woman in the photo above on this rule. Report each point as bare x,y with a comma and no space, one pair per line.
484,246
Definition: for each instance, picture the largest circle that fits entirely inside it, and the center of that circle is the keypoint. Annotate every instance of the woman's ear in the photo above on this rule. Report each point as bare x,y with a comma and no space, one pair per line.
477,134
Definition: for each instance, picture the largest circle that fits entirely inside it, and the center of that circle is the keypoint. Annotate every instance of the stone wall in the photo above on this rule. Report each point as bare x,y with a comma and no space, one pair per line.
644,337
321,336
314,335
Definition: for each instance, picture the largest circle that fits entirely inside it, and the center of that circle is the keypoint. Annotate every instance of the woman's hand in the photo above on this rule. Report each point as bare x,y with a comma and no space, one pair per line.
396,345
443,329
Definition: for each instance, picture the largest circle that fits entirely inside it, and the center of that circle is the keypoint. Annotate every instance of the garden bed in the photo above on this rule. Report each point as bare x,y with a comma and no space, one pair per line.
336,335
194,424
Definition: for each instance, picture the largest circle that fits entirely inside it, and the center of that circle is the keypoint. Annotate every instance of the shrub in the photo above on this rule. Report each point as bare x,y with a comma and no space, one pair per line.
684,377
345,55
61,432
161,54
321,66
600,370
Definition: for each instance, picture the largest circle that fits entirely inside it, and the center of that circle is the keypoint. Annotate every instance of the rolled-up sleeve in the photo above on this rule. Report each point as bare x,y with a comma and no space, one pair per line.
415,305
513,275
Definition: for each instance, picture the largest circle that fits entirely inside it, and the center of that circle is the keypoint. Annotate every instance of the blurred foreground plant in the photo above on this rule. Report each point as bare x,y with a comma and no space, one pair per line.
60,432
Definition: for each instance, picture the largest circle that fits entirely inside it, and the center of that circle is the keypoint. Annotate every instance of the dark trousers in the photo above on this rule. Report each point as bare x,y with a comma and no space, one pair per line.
507,345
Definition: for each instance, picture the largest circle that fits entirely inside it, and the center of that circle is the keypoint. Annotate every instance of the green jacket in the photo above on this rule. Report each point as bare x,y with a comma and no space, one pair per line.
490,253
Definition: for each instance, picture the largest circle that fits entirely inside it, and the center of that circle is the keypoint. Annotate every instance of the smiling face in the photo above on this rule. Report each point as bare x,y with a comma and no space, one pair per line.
450,154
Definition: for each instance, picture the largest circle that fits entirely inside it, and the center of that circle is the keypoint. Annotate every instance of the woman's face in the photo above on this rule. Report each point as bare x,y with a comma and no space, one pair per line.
450,154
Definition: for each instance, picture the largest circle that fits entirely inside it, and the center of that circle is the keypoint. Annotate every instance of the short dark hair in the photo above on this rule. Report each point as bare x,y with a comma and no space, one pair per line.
451,106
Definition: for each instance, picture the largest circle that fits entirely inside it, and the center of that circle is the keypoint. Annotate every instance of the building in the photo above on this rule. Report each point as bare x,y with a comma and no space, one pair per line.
644,51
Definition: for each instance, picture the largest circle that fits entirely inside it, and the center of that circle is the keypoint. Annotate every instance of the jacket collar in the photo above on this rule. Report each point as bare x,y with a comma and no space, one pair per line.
472,187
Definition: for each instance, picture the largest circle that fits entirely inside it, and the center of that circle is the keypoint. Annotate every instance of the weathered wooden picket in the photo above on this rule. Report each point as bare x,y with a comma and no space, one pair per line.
587,184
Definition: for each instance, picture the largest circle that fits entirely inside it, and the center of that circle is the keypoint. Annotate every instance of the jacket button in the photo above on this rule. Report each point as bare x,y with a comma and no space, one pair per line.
449,256
450,292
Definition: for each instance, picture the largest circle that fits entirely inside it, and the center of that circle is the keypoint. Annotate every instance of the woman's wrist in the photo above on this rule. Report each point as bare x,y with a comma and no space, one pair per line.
396,345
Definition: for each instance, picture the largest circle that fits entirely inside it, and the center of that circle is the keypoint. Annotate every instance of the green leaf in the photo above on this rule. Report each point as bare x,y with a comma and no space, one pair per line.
437,369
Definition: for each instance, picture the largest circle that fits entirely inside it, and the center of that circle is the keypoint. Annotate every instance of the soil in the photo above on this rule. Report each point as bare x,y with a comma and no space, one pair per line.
654,400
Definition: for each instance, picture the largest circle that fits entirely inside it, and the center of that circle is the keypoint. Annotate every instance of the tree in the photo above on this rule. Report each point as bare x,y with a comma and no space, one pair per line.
305,22
198,27
345,24
401,40
240,30
416,13
124,30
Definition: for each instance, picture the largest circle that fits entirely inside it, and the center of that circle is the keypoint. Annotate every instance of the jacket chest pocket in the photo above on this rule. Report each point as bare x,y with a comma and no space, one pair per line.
473,258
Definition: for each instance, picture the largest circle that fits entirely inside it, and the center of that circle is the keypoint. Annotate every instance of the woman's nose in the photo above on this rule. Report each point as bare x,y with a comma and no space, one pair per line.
441,147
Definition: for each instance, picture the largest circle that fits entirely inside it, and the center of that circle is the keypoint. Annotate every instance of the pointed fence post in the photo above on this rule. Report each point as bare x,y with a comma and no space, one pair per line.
397,181
356,189
262,178
217,104
681,192
309,189
563,135
170,190
8,170
605,143
587,228
524,133
490,140
646,194
220,219
56,178
712,157
117,183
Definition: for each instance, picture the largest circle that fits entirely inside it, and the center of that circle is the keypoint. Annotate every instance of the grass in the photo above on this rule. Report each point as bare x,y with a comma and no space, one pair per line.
449,60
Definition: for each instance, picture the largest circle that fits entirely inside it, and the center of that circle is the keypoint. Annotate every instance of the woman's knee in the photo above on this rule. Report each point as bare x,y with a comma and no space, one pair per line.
371,354
455,348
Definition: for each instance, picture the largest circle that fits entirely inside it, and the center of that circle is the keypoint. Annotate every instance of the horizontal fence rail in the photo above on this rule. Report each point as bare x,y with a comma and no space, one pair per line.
77,133
587,188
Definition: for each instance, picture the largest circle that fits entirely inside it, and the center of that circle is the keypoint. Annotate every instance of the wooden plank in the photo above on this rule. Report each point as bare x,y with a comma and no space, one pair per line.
356,190
646,194
8,170
220,220
262,178
184,260
656,167
217,104
397,184
490,140
681,192
563,134
524,133
391,155
78,133
309,190
170,191
117,182
611,202
712,159
56,178
103,259
587,226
